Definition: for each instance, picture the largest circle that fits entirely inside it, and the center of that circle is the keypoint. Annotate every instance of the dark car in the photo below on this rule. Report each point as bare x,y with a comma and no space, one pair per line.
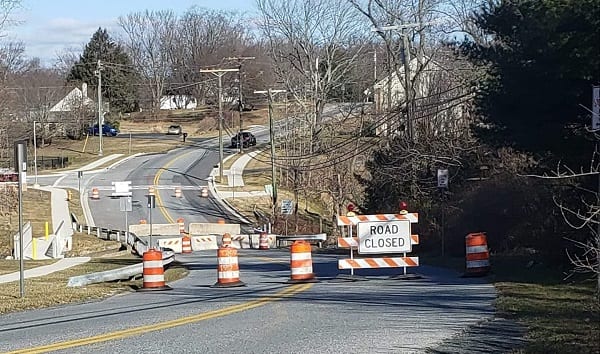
107,130
245,138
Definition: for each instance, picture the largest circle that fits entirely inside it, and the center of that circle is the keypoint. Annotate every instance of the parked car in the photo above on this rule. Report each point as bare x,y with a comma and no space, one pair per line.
107,130
174,130
246,139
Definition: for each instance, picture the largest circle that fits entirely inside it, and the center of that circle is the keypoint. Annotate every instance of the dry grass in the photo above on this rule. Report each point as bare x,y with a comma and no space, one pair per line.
51,290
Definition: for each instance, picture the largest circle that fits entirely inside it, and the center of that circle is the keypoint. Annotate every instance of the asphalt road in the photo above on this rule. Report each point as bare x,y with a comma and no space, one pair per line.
377,315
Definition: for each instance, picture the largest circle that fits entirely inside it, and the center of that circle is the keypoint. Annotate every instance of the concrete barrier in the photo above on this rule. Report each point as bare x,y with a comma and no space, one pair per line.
173,243
157,229
200,229
202,243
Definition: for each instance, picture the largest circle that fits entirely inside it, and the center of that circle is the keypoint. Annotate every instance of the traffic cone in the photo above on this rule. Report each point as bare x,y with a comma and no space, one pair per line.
301,263
186,244
154,275
263,241
228,271
226,240
95,193
181,223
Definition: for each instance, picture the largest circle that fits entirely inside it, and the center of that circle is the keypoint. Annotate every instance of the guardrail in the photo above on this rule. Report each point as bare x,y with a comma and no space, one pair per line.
116,274
317,237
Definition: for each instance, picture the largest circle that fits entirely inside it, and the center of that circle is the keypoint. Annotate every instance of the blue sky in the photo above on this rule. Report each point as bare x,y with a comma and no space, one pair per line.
50,26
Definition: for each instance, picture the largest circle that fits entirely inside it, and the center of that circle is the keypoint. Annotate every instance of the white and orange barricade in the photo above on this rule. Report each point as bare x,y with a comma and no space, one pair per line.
154,275
477,255
228,270
181,224
301,263
226,240
263,241
186,244
379,234
173,243
95,193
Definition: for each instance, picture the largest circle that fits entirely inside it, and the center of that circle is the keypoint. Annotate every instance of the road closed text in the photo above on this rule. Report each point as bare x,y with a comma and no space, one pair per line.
394,242
384,237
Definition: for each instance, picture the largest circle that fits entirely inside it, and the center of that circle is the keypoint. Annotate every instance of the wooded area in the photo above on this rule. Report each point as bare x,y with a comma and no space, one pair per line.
498,93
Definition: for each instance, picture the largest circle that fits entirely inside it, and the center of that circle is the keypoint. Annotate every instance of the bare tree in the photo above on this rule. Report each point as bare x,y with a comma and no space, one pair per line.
150,37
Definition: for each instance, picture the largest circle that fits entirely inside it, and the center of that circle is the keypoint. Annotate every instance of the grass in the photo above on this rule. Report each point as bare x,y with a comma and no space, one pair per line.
560,316
51,290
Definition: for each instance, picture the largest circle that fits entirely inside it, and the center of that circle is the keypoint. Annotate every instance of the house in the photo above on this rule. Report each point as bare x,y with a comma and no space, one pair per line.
74,100
438,96
178,102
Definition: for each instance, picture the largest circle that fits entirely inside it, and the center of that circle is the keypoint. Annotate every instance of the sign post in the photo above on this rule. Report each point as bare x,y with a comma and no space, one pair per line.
123,191
20,168
596,108
442,176
151,205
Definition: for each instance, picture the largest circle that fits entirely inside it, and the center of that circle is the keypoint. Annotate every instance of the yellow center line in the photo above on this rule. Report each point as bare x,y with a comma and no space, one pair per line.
161,207
288,292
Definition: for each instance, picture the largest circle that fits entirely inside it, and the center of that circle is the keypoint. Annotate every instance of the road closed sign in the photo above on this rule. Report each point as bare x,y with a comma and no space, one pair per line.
384,237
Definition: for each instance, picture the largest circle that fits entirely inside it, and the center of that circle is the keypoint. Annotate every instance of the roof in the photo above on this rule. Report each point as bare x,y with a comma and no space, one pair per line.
72,100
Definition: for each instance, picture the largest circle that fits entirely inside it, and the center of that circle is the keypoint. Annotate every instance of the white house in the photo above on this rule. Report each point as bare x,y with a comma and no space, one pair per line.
178,102
74,100
434,89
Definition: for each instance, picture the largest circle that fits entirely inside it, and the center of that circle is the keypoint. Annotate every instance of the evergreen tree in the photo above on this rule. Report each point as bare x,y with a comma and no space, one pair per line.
118,75
542,62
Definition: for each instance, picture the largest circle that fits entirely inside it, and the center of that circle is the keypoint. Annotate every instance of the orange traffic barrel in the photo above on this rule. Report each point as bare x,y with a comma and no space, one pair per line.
186,244
226,240
154,275
263,241
301,263
177,192
204,192
151,190
181,223
477,255
220,221
228,270
95,193
143,221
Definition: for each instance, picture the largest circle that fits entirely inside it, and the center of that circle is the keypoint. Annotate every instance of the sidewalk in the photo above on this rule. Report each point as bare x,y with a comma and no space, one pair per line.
62,264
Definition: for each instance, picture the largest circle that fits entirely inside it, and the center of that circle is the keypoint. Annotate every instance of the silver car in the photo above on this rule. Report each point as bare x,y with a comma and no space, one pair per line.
174,130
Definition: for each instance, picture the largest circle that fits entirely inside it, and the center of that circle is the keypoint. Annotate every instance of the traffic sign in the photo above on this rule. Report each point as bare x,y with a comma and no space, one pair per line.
287,206
442,177
122,189
384,237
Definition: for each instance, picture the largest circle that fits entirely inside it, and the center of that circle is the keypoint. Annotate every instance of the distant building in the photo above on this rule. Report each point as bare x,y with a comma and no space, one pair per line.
178,102
74,100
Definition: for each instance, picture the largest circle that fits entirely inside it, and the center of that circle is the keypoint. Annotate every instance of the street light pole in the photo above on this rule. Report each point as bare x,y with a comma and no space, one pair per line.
100,118
219,73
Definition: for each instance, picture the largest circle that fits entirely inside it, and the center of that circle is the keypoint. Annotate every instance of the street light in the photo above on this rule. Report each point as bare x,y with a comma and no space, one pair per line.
35,184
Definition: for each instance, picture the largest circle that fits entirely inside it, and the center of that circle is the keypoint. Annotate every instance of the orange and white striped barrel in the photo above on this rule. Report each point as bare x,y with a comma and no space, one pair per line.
154,275
228,270
478,257
143,221
204,192
95,193
181,224
177,192
186,244
151,190
301,262
226,240
263,241
220,221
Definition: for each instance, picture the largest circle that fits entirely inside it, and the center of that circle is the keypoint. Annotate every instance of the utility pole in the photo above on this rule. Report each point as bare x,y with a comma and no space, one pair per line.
219,73
240,97
98,73
270,93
